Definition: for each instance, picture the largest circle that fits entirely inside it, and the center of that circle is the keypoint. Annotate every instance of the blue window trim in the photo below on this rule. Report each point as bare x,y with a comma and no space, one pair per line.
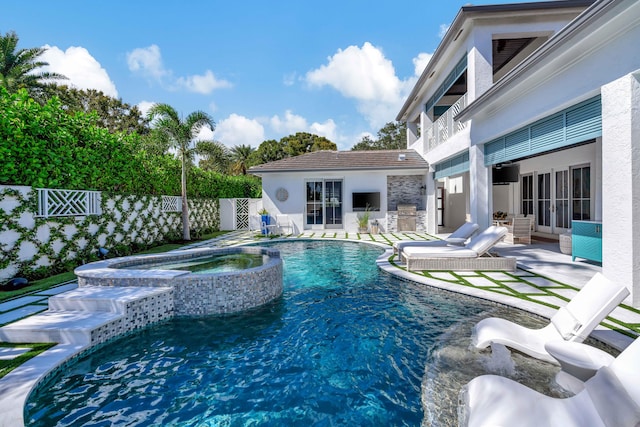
578,123
458,70
453,166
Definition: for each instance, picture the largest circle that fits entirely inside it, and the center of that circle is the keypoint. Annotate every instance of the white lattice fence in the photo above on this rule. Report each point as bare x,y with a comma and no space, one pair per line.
54,203
242,214
171,204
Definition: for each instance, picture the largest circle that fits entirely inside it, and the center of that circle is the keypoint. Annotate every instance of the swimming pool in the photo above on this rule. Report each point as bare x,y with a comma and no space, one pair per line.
345,345
208,264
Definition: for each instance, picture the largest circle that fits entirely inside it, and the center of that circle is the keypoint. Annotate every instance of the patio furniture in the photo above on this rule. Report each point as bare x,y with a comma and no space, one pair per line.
565,243
610,398
571,323
579,362
586,240
277,226
531,217
284,223
519,231
469,257
458,237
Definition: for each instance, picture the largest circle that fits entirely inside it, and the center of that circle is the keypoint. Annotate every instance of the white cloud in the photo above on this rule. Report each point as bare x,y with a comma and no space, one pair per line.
204,84
145,106
420,62
443,30
290,79
367,76
360,73
291,123
147,61
237,130
80,67
327,129
205,134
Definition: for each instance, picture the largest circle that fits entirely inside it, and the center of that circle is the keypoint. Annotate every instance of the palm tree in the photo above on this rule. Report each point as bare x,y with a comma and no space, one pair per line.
180,134
240,155
17,67
216,156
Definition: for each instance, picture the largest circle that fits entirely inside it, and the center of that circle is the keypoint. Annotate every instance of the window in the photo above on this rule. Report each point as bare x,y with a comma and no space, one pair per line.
527,194
581,192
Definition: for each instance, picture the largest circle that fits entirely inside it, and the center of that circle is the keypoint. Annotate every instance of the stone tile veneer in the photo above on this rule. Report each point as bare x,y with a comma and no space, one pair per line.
421,221
195,294
137,314
404,190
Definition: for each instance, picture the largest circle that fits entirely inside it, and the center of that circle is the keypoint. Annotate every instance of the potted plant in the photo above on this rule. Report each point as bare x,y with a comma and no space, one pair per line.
264,219
363,221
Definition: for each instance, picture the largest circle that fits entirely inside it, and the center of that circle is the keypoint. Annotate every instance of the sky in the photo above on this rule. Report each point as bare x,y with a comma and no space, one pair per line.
261,69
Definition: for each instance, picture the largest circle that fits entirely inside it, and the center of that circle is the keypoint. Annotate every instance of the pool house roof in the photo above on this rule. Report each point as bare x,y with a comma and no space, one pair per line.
345,161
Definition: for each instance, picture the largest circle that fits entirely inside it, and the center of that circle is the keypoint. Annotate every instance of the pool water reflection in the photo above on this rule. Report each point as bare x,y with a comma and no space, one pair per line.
345,345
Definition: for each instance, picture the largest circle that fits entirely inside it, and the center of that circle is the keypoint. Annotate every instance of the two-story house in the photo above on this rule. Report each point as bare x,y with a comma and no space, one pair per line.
534,109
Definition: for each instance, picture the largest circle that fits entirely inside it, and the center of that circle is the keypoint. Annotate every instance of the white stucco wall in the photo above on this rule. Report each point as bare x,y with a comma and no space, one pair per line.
294,183
621,181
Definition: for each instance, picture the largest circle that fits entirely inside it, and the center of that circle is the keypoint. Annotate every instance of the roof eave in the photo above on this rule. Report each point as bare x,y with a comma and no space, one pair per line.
465,13
560,39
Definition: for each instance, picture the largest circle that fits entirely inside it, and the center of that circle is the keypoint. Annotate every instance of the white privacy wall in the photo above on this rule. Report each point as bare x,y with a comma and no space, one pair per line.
33,245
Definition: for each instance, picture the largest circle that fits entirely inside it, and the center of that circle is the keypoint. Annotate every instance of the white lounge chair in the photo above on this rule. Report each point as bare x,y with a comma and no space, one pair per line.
458,237
467,257
579,363
610,398
571,323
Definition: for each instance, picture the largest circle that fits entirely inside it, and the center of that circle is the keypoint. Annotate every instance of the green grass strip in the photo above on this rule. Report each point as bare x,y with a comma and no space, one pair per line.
7,366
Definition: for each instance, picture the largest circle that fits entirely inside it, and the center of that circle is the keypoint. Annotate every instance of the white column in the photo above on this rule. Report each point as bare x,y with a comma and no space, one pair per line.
621,182
431,203
479,197
412,133
479,66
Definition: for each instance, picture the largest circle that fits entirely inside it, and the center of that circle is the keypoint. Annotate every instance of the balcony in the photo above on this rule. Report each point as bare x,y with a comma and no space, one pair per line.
445,127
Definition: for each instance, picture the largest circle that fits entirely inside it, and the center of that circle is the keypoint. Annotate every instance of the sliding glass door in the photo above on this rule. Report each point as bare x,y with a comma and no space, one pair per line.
323,207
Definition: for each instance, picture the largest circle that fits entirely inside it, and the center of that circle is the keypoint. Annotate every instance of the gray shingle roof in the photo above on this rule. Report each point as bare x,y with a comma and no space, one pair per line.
345,160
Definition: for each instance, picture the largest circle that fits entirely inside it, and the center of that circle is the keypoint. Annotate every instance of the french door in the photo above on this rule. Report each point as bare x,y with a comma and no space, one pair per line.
324,204
562,195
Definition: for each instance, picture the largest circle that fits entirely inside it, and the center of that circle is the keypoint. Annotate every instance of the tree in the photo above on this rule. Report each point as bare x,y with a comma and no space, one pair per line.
241,154
180,134
393,136
113,114
18,67
216,156
303,142
269,151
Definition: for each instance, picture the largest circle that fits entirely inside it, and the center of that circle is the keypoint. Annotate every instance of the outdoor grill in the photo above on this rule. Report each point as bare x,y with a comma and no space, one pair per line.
406,217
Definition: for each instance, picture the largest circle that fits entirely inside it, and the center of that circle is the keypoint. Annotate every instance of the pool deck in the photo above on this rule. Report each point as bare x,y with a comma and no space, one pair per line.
545,280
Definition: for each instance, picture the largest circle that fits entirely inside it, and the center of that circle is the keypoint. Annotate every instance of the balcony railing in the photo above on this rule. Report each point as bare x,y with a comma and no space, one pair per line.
445,127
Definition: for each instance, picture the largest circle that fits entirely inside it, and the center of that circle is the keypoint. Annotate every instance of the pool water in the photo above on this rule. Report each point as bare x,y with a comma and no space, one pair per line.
209,264
346,345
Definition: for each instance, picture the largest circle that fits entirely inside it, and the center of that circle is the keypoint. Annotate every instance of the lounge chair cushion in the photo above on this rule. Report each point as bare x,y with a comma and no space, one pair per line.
611,400
484,241
464,231
439,252
565,323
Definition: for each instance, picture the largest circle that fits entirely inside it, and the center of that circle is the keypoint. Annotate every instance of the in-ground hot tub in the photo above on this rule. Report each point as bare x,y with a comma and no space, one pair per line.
204,281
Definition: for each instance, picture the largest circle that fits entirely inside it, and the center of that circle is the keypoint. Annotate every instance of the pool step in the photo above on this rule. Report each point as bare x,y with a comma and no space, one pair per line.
102,298
73,327
92,315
